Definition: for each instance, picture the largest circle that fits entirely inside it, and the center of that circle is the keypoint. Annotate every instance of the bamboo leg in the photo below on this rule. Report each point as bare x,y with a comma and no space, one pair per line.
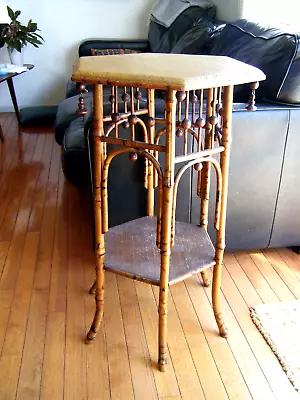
205,175
205,178
220,244
151,172
99,236
205,278
168,183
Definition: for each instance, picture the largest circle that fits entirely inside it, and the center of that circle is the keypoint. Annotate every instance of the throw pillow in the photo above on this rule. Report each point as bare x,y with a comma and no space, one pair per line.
112,52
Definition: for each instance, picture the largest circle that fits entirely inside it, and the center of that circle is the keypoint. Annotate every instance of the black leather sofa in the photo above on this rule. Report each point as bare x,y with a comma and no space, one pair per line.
264,195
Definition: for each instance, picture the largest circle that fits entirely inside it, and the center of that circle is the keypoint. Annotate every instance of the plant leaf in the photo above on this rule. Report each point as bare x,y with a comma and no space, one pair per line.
10,13
32,26
18,46
17,35
39,36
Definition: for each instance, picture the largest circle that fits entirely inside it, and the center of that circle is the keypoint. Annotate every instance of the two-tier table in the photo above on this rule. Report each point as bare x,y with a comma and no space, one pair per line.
198,93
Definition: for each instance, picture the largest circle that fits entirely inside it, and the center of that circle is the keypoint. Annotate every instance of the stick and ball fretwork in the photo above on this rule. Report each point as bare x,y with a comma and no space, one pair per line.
197,118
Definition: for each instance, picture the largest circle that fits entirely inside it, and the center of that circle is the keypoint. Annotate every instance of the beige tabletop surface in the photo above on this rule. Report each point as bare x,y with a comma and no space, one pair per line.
162,71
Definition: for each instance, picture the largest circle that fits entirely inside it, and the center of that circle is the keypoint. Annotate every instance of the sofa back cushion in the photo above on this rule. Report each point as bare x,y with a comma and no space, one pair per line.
275,51
162,39
198,39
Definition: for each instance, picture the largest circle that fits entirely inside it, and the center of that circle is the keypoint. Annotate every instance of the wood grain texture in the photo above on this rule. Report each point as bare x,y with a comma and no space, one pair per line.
273,372
186,374
140,363
33,353
52,386
251,370
117,352
11,356
277,284
43,271
202,357
166,383
75,386
255,276
283,270
228,368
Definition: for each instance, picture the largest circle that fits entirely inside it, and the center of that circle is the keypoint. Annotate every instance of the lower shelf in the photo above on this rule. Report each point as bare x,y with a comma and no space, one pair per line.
131,251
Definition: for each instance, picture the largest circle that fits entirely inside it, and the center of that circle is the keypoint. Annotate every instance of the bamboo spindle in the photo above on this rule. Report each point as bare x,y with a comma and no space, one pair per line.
178,108
200,124
194,100
214,117
112,99
132,128
186,122
218,130
166,231
116,111
180,96
220,241
99,236
138,96
125,100
205,174
149,166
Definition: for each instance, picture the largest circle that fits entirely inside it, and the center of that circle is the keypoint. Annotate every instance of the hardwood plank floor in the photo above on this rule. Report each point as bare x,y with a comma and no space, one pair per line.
46,268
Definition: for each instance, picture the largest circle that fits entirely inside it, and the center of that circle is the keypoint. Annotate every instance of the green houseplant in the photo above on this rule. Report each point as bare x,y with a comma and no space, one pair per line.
16,35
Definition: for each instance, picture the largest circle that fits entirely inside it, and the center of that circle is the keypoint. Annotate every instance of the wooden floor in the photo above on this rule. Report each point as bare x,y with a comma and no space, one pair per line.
46,268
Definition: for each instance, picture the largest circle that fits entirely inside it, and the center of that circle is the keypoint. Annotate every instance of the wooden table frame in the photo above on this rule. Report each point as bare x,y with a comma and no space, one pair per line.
216,129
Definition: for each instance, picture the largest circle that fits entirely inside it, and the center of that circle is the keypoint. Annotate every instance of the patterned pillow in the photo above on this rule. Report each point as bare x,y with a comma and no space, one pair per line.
112,52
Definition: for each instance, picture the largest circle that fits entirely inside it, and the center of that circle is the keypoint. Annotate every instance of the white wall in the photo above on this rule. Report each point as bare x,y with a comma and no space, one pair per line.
64,24
272,12
229,10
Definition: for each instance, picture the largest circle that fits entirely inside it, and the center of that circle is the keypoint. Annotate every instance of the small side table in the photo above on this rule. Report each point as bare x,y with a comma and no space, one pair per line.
9,79
198,103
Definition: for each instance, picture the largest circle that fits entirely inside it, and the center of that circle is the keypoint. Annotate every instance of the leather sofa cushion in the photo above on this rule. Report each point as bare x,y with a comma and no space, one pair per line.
198,39
273,50
162,39
74,155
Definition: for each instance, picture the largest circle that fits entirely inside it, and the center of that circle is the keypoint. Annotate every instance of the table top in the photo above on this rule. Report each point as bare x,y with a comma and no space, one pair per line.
12,74
163,71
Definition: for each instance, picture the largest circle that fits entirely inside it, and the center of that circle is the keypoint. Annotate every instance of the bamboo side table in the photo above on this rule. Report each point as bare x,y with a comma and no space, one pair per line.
198,102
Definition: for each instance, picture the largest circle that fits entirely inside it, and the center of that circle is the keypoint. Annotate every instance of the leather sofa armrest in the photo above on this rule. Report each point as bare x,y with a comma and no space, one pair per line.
100,44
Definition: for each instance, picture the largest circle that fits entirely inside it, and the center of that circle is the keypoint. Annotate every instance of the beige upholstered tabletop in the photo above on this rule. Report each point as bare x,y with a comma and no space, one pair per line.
162,71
